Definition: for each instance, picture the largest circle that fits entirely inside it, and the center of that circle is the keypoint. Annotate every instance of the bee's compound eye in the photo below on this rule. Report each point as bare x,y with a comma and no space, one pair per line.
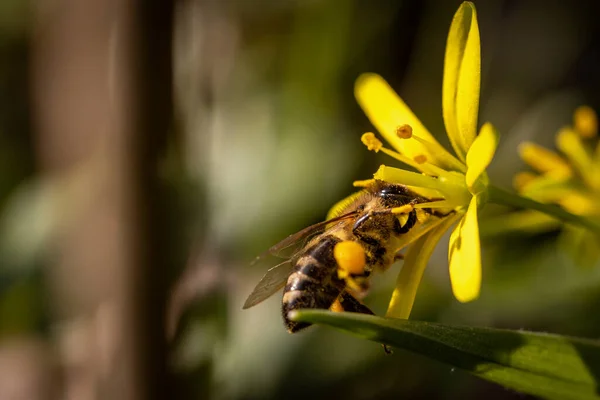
350,257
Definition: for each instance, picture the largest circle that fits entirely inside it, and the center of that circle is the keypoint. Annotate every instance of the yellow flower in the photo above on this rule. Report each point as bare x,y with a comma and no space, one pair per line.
570,179
460,181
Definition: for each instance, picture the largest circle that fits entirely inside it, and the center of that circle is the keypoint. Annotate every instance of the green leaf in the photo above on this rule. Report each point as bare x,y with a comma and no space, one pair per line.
546,365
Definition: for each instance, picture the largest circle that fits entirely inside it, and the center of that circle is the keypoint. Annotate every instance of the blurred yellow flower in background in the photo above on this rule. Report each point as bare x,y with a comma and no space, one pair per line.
570,179
459,182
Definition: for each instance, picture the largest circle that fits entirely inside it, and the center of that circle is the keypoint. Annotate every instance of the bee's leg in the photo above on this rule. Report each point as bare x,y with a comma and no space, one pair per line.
351,304
363,230
359,226
410,222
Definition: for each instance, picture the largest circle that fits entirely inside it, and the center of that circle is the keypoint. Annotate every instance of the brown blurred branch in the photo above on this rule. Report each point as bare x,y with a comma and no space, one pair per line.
153,84
102,94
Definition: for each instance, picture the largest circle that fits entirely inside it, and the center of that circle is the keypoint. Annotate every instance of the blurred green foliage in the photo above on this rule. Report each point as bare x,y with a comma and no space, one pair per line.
268,139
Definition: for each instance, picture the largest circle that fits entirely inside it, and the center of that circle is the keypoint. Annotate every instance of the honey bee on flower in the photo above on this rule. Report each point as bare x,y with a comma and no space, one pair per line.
360,237
459,180
399,208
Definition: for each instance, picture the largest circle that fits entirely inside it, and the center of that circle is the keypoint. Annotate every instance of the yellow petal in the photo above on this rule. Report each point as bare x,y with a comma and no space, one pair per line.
570,143
339,207
464,256
387,112
580,203
543,160
481,153
462,76
412,270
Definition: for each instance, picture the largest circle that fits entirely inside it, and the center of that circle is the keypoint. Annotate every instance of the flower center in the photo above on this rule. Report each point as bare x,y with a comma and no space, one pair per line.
450,185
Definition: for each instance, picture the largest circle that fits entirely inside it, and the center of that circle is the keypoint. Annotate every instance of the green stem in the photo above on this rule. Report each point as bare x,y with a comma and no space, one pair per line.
501,196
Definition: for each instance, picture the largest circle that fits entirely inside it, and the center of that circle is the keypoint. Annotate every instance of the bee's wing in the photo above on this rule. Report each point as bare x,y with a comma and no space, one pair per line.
274,279
302,234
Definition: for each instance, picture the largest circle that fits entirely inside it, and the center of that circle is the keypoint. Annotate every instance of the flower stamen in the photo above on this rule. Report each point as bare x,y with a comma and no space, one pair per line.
404,131
370,140
420,159
437,204
373,143
403,209
364,183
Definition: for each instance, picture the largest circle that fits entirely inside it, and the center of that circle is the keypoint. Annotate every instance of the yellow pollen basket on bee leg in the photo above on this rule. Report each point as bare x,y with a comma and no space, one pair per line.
350,257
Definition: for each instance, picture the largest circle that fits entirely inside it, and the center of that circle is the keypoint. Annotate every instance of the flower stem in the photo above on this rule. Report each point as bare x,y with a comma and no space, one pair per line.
501,196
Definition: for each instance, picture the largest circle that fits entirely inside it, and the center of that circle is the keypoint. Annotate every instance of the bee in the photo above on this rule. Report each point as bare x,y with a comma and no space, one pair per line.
332,269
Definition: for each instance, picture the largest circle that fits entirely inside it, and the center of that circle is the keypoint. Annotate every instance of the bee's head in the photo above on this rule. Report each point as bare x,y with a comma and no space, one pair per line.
390,190
393,195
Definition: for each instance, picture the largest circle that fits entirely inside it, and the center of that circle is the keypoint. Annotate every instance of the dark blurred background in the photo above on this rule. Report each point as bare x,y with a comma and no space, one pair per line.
112,185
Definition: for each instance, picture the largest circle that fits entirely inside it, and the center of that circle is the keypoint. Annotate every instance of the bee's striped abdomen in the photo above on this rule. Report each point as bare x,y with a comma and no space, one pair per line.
314,282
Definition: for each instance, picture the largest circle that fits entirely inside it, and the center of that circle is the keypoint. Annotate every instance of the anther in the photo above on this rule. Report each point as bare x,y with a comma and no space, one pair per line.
420,159
404,131
370,140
